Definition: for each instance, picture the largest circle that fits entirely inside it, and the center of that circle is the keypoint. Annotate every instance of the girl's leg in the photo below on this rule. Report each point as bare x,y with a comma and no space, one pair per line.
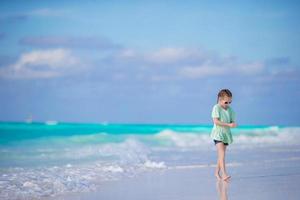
218,166
221,159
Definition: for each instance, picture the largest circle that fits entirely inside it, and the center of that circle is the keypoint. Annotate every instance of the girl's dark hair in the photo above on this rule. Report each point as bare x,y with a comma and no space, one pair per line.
224,92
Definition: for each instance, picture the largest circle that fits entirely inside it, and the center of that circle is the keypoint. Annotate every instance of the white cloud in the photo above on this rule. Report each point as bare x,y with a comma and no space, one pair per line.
164,64
201,71
186,63
224,68
127,53
167,55
42,64
163,56
251,68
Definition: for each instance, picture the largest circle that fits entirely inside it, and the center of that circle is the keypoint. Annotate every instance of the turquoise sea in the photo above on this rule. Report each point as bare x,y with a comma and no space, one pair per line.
47,159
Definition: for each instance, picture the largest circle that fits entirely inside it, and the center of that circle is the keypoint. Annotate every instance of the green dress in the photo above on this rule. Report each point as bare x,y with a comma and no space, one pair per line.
222,133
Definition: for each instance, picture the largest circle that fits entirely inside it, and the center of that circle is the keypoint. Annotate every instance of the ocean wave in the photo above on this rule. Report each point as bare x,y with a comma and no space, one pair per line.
242,137
132,148
110,161
35,183
187,139
30,183
154,165
50,166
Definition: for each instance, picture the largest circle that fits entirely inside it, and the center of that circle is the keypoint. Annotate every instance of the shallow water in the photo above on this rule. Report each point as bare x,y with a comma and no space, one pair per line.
48,159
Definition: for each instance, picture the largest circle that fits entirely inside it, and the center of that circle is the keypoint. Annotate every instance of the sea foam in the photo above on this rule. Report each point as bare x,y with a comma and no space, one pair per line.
43,161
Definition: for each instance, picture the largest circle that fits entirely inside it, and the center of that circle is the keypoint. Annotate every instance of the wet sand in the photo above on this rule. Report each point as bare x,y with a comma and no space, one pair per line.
265,177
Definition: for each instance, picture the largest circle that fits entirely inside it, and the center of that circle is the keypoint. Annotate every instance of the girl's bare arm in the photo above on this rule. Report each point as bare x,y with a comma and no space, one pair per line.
218,122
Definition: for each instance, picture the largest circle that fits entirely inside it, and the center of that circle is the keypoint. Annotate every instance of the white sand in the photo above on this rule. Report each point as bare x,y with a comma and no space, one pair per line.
259,174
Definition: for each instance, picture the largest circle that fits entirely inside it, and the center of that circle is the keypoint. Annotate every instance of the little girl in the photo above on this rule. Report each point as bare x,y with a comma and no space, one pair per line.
224,119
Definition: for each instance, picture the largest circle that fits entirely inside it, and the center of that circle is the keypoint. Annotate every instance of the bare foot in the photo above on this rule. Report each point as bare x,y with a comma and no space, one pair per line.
218,175
226,177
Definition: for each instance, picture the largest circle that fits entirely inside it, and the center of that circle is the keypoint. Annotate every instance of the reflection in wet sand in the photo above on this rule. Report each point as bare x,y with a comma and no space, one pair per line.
222,188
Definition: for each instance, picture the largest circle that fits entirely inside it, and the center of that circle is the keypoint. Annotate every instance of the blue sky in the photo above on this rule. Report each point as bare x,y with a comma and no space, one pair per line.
149,61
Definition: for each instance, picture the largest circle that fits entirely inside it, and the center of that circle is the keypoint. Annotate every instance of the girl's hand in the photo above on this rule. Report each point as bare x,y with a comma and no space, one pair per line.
232,125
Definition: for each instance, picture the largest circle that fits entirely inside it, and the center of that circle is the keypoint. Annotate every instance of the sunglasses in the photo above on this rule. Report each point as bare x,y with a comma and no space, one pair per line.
227,102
